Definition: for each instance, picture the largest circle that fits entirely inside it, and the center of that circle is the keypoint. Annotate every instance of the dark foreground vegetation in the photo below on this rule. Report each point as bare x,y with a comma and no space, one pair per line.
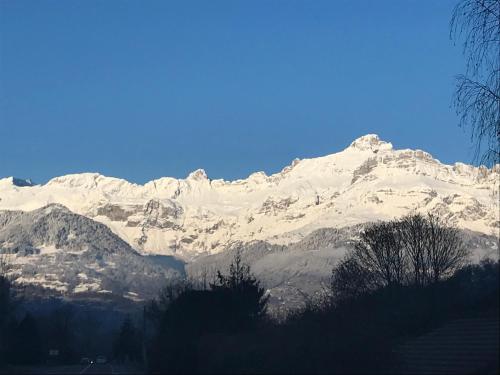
56,332
402,279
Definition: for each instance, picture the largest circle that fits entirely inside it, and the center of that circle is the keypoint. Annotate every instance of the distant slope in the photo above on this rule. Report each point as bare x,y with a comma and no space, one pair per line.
56,249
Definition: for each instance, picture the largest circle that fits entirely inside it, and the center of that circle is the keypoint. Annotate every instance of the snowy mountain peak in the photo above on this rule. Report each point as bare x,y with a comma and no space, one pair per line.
187,217
52,207
370,142
288,168
198,175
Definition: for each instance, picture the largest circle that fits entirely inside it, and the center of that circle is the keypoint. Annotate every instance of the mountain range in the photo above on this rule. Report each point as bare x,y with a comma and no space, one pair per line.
292,225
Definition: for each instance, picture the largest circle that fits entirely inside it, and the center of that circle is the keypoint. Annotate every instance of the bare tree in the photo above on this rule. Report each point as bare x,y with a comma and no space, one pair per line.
412,230
433,247
477,93
350,279
445,250
380,251
414,250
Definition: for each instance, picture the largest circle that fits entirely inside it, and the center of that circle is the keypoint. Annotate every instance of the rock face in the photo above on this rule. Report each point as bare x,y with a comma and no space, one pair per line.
367,181
70,254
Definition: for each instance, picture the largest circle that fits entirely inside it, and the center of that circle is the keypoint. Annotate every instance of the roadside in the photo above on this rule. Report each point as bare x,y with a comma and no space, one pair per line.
108,368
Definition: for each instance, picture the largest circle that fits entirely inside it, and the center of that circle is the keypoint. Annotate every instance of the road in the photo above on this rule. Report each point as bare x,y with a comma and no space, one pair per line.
108,368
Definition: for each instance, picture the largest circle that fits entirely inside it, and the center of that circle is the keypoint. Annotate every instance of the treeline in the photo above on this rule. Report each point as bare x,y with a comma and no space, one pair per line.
51,332
402,278
26,340
413,251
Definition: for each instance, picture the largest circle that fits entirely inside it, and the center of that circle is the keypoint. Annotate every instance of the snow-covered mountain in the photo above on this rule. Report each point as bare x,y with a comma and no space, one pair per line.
71,255
367,181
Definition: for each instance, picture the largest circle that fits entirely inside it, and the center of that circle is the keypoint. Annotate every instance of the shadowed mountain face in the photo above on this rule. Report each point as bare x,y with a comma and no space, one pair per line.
70,254
54,225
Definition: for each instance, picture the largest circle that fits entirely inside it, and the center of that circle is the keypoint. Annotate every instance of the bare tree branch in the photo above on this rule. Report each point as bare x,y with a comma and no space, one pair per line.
415,250
477,92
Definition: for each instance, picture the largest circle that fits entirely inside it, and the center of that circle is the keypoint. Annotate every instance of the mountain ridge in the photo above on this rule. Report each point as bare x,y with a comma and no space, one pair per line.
367,181
367,142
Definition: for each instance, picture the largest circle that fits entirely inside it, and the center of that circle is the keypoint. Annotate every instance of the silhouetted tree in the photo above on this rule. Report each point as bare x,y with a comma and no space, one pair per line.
192,314
433,248
477,93
61,333
5,290
89,335
184,316
414,250
478,285
127,345
445,252
25,344
351,280
5,305
5,300
5,309
156,308
379,250
245,296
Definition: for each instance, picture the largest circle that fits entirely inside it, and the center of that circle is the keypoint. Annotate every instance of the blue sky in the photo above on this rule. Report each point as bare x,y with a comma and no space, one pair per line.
144,89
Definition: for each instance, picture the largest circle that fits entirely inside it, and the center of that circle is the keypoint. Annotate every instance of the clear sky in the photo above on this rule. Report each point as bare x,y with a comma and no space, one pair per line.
144,89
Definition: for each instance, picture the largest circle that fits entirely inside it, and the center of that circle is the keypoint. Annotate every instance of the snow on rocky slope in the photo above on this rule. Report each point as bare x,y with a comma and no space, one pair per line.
367,181
57,250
